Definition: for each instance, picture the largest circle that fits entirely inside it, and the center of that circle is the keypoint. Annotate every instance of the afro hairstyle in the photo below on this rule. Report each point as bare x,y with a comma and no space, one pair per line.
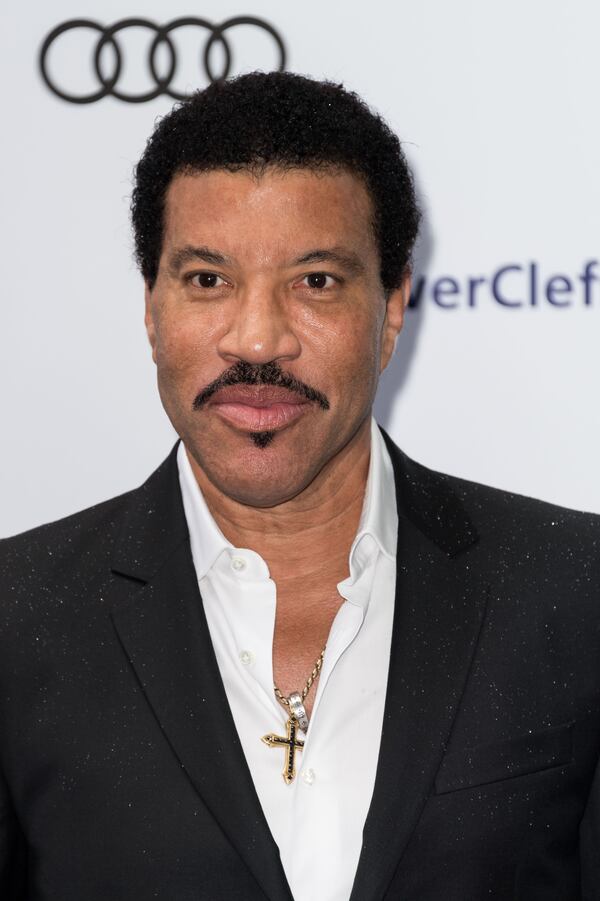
287,121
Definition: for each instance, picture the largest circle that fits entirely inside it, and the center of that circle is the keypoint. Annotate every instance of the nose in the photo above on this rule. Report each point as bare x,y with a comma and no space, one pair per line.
259,329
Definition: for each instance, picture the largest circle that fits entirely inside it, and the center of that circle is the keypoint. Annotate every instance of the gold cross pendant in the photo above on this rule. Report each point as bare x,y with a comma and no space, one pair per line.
291,744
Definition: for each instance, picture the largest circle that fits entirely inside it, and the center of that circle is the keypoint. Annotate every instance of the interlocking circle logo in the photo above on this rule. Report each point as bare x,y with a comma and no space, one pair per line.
108,36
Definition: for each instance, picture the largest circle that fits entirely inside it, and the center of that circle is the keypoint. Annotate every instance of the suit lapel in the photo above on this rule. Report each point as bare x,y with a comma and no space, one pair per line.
159,619
158,615
438,614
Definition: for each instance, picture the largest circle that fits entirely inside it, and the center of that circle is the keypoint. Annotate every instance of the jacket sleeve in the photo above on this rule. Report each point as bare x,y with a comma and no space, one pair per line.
589,835
13,853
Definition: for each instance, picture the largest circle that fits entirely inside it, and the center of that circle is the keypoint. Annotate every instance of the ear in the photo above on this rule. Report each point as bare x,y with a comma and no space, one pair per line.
396,304
149,319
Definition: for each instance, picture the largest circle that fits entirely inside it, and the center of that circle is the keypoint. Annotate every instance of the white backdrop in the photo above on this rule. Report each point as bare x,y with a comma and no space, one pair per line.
497,103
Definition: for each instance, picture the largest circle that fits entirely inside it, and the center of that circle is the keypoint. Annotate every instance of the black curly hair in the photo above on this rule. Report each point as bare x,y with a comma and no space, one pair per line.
288,121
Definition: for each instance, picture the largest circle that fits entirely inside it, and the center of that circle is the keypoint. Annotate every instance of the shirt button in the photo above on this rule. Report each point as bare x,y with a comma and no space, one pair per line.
308,776
238,564
247,657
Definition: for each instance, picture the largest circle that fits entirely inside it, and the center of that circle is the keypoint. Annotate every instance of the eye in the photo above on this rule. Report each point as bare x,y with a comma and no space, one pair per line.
206,280
319,281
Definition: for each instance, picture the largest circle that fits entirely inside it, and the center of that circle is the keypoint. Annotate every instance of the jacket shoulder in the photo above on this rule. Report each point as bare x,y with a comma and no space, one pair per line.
498,517
82,540
491,506
65,557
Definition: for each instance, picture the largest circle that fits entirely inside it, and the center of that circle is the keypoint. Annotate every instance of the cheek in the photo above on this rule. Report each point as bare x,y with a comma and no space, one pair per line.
356,328
350,349
182,347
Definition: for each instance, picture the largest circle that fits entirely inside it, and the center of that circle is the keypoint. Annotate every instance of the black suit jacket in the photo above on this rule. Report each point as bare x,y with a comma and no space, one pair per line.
122,775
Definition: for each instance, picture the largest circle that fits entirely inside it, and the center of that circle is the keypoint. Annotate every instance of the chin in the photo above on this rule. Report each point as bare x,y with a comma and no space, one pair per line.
262,489
262,469
260,474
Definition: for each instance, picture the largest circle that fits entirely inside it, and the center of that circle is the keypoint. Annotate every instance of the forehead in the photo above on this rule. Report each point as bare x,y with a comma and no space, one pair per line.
269,212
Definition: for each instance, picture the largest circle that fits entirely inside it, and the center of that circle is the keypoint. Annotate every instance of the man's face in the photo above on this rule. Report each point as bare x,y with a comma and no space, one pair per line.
279,269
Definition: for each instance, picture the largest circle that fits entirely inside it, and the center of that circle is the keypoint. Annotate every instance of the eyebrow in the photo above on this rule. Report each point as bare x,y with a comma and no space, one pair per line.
350,261
191,254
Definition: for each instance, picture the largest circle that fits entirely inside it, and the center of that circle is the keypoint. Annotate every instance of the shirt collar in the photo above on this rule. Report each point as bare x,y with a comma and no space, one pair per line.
378,524
377,528
380,511
206,538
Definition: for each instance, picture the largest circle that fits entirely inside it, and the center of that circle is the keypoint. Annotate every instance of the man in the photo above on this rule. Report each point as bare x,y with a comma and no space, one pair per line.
434,644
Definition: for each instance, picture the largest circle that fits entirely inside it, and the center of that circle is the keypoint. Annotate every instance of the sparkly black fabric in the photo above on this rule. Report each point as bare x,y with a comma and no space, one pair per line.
122,776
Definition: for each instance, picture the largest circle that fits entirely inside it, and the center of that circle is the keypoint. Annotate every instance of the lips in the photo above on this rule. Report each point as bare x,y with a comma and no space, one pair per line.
258,408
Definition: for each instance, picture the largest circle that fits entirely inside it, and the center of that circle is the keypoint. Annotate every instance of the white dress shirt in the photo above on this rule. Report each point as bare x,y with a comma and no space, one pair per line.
317,821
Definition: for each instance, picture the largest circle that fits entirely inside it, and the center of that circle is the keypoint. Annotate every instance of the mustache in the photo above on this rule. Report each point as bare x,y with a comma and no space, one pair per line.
243,373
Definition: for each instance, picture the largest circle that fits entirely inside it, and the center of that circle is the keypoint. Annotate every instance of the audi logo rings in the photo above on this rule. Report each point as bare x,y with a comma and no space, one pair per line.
108,36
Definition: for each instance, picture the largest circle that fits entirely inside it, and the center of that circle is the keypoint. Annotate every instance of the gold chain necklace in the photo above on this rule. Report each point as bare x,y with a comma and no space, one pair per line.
297,719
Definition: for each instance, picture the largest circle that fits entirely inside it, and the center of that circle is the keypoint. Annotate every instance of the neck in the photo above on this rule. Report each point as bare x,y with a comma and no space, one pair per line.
312,533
